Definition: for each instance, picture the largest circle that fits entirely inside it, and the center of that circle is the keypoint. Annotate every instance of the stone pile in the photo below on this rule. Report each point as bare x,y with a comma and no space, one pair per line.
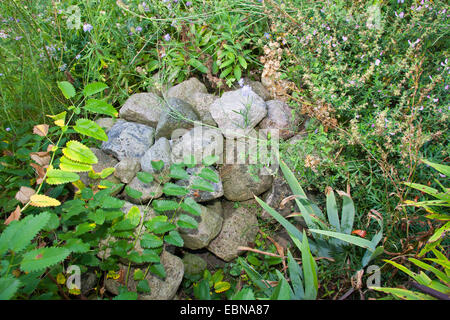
152,127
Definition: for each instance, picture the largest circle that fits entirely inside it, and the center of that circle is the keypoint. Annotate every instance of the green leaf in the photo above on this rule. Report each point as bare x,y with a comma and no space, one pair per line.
158,269
178,173
144,177
72,166
242,62
133,193
255,276
77,246
174,238
112,203
18,234
93,88
56,176
76,151
309,270
198,65
127,295
98,216
209,174
67,89
185,221
165,205
157,164
210,160
189,205
202,290
171,189
159,225
404,294
237,72
151,241
438,273
295,275
42,258
138,275
348,214
143,287
332,210
202,184
347,238
8,287
91,129
101,107
282,290
439,167
106,172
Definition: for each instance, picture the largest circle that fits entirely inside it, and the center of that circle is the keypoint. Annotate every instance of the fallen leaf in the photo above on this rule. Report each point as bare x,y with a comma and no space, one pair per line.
41,158
15,215
40,129
24,194
39,171
360,233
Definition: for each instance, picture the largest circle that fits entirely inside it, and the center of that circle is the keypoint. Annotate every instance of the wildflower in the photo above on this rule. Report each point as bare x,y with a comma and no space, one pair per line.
189,3
167,37
446,87
344,38
8,129
267,35
78,56
138,29
377,62
400,1
442,175
63,67
246,90
87,27
241,82
400,15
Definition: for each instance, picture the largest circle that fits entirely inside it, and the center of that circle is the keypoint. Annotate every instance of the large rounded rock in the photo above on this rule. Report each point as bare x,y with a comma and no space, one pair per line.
176,114
126,169
279,116
201,195
209,225
198,142
161,150
186,89
240,182
201,103
106,123
238,112
193,264
144,108
239,229
161,289
128,140
279,191
152,190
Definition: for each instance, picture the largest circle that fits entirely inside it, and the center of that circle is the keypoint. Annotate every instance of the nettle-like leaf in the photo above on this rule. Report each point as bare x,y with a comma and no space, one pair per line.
159,225
174,238
101,107
177,172
8,287
185,221
144,177
42,258
209,174
189,205
93,88
56,176
202,184
40,200
76,151
19,234
165,205
151,241
67,89
171,189
90,128
72,166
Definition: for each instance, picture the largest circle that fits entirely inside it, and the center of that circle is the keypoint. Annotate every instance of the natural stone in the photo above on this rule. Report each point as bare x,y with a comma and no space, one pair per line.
126,169
186,89
238,112
201,103
161,150
148,190
143,108
128,140
279,191
105,123
239,229
177,114
209,225
279,116
201,195
241,182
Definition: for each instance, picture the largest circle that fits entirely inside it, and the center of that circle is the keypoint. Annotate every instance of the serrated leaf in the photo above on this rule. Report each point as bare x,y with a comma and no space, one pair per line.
210,160
143,286
157,164
133,193
72,166
138,275
198,65
177,172
242,62
127,295
221,286
164,205
101,107
171,189
40,200
202,184
76,151
209,174
174,238
8,287
93,88
57,176
237,72
77,246
90,128
144,177
159,225
185,221
151,241
189,205
67,89
43,258
159,270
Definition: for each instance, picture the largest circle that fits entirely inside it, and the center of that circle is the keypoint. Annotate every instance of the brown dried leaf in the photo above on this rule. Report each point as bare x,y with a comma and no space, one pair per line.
15,215
24,194
39,171
41,158
40,129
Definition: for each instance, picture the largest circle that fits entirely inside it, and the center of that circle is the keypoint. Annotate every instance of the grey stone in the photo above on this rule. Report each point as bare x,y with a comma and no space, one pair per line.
126,169
279,116
161,289
193,264
198,142
161,150
258,88
105,123
201,195
239,229
143,108
128,140
148,190
186,89
240,182
88,282
238,112
209,225
201,103
177,114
